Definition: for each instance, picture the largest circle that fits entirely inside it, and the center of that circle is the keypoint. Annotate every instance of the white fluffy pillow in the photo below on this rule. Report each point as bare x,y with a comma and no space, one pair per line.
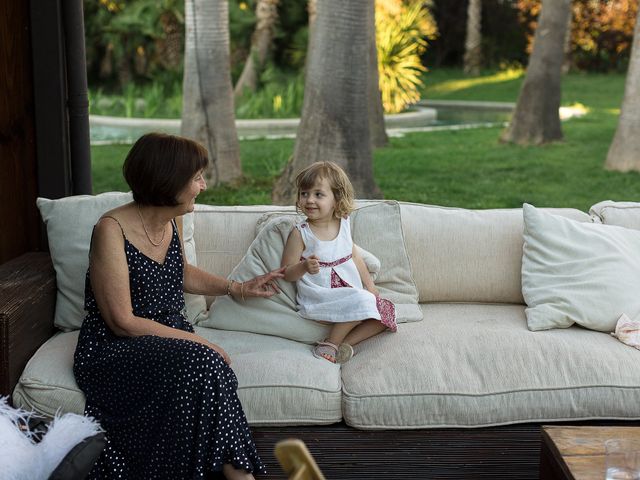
69,222
575,272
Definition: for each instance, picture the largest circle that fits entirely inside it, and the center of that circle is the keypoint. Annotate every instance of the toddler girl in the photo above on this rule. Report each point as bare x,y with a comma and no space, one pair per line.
333,282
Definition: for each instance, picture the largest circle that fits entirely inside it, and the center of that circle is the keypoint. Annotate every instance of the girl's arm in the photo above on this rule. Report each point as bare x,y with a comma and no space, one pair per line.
109,275
294,268
367,281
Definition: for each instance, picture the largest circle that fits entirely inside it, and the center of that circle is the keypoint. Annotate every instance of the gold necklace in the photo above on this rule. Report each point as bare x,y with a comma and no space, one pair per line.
164,230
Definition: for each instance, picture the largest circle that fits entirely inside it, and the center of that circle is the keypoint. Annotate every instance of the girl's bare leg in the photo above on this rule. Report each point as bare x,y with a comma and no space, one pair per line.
340,330
366,329
232,473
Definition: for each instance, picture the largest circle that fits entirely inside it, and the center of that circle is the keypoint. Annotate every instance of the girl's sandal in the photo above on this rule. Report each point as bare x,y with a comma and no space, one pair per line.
344,354
325,351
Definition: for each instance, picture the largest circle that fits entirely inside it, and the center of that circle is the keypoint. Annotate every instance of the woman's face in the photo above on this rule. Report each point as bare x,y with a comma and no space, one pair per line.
187,197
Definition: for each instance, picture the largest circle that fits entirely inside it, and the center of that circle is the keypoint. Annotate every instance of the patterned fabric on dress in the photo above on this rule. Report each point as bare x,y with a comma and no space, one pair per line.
335,294
169,406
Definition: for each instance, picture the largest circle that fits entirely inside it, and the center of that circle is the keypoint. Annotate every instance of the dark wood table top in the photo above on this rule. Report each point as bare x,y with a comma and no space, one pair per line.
579,451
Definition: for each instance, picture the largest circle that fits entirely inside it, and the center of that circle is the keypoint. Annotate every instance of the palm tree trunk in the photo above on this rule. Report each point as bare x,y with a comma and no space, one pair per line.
267,16
536,119
624,152
335,115
379,136
207,107
473,41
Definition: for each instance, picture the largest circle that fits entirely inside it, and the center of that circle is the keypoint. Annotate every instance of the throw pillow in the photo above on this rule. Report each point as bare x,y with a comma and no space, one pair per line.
376,227
575,272
273,316
69,223
622,214
278,315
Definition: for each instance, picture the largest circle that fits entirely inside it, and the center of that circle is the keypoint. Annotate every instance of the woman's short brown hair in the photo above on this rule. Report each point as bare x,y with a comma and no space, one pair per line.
159,166
338,181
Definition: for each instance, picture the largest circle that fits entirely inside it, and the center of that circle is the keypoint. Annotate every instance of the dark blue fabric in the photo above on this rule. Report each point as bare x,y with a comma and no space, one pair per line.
169,406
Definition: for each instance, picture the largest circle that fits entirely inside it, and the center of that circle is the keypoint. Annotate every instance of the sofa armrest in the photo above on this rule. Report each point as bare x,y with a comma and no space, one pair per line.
27,302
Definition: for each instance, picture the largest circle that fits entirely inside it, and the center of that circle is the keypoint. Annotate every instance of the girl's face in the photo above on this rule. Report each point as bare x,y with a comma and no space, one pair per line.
187,197
317,202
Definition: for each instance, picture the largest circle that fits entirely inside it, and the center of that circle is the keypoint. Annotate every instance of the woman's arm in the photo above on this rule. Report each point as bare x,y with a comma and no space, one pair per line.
109,275
367,281
294,268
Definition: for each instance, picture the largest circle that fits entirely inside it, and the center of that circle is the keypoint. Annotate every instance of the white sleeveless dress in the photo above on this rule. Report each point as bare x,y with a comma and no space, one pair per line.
335,293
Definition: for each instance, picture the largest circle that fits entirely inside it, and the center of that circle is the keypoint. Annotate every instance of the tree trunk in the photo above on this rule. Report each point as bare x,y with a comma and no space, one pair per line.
311,11
207,106
379,136
473,41
267,16
624,152
536,118
335,115
566,61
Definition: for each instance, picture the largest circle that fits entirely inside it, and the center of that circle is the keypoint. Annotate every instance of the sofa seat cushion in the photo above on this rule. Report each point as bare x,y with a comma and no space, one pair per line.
280,382
474,365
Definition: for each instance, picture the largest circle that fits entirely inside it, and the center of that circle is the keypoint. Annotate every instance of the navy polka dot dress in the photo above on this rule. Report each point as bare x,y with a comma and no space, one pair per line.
168,406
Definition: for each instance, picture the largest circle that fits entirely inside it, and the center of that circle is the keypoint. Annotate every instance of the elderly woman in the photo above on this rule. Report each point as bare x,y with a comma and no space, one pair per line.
165,396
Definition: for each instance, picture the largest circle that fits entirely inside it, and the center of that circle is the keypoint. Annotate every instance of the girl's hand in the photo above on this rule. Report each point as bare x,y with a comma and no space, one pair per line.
312,264
263,286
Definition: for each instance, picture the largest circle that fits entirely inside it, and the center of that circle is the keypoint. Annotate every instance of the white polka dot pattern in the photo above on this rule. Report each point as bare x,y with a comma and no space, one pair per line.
169,406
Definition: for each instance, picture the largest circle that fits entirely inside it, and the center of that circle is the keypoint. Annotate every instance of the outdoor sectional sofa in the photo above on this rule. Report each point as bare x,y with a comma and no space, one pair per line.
460,393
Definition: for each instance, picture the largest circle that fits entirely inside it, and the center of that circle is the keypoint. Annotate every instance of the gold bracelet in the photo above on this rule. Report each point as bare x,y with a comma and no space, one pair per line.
229,285
242,291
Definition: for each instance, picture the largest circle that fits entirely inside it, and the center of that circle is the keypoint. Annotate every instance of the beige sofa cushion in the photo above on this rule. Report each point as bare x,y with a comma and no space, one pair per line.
471,365
70,222
464,255
575,272
280,382
622,214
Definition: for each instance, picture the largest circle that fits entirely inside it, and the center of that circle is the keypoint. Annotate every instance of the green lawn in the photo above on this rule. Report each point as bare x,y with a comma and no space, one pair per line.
467,168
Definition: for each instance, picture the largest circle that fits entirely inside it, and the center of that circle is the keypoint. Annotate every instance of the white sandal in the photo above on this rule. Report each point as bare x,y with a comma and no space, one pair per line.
344,354
325,351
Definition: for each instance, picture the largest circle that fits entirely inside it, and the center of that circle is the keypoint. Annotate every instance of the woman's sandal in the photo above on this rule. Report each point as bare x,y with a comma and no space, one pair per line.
325,351
344,354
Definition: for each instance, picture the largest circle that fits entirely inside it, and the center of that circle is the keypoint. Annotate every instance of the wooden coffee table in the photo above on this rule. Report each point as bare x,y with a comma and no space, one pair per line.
577,453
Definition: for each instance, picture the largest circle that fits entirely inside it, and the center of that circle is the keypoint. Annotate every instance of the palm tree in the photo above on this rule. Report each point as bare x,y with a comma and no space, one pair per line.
536,119
207,107
379,136
267,16
624,152
335,115
473,41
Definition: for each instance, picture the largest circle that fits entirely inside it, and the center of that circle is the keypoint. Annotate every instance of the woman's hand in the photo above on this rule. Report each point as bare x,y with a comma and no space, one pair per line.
263,286
220,350
312,265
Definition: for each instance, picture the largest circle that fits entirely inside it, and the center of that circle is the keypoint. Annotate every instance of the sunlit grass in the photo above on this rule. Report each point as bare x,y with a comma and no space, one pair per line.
456,85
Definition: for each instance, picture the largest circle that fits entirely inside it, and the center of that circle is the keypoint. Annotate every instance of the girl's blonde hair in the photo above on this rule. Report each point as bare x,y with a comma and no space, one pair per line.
338,181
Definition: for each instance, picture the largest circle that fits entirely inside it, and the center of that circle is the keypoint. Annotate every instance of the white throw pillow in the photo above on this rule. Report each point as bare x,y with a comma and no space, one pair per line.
70,222
376,227
575,272
278,315
622,214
